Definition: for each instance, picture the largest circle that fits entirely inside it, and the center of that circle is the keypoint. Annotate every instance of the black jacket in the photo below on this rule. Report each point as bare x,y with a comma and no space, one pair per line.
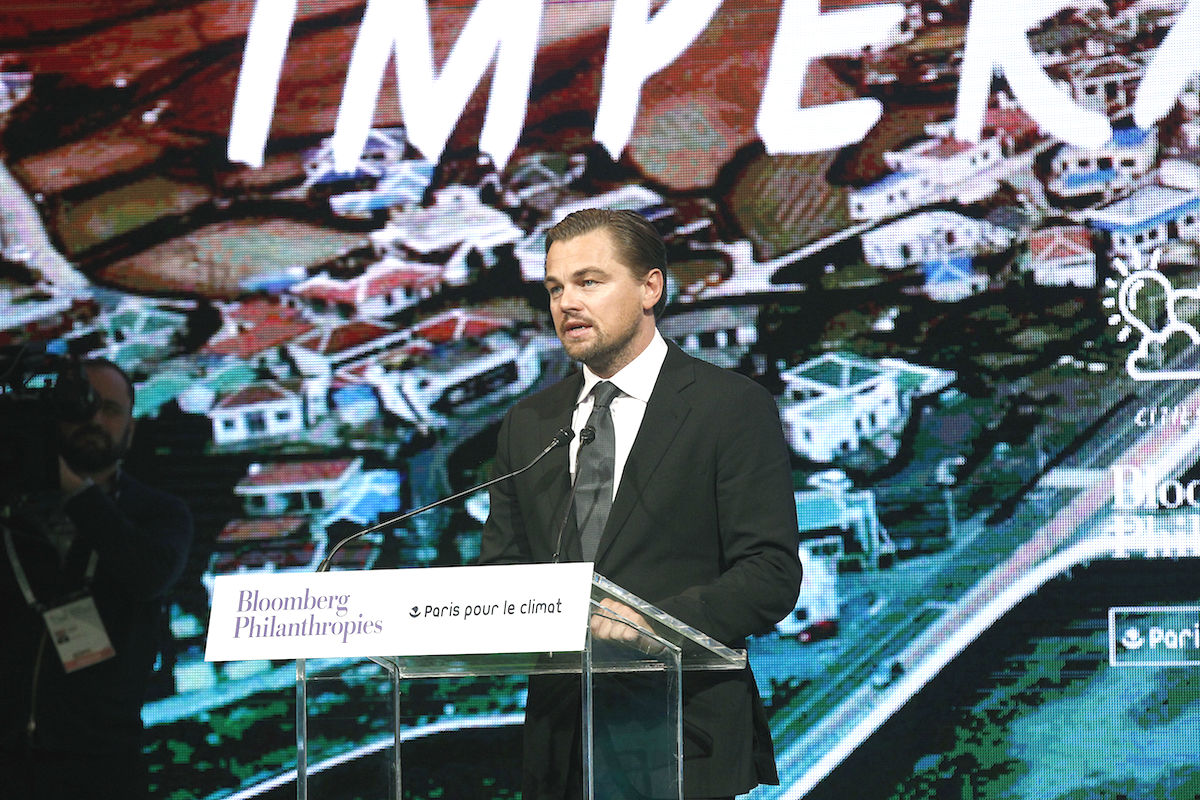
703,526
141,537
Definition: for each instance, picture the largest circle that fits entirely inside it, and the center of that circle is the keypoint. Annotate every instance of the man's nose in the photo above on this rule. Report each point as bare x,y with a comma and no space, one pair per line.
568,298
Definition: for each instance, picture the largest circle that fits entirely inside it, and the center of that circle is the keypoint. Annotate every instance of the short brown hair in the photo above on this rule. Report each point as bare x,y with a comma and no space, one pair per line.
638,244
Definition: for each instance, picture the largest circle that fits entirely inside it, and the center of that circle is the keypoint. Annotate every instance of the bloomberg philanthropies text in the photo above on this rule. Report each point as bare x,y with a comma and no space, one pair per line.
262,616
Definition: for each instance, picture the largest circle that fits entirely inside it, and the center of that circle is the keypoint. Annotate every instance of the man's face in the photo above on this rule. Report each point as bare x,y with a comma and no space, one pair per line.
602,313
94,446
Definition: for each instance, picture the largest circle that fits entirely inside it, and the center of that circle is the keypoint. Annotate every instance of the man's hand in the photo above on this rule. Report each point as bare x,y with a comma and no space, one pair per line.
604,627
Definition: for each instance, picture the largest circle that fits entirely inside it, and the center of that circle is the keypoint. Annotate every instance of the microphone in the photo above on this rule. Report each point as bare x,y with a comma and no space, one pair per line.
563,436
587,435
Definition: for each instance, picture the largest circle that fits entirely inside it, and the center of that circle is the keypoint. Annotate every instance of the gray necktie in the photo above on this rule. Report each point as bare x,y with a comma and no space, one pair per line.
596,466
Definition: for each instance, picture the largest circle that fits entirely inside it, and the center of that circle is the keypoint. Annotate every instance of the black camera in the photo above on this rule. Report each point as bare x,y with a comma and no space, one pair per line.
40,386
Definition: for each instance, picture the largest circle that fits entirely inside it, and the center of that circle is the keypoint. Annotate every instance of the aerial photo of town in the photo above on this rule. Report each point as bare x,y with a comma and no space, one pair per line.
984,351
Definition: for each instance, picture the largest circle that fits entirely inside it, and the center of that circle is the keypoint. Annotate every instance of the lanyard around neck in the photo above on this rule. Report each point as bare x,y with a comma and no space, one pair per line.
23,579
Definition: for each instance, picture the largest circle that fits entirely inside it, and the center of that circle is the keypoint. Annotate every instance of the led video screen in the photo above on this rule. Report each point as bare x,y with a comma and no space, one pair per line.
956,241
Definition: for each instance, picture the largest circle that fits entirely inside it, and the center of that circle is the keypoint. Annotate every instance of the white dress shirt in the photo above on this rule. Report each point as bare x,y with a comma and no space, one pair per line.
636,381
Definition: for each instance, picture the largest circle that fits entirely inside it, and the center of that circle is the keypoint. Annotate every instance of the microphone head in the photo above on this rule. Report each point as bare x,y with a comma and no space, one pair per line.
563,436
587,435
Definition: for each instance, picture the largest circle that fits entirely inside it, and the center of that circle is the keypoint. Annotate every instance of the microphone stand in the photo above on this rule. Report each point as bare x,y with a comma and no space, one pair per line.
586,437
563,436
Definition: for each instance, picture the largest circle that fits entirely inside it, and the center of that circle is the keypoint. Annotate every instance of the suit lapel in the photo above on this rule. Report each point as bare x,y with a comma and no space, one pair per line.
665,414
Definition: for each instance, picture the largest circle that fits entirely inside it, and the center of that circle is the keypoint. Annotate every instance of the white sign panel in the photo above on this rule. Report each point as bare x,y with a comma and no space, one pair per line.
524,608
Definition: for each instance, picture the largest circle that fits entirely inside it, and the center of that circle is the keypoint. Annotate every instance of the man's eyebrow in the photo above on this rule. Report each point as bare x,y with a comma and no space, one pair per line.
582,272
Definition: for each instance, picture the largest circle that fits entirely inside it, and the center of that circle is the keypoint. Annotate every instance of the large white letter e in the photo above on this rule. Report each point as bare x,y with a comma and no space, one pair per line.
804,34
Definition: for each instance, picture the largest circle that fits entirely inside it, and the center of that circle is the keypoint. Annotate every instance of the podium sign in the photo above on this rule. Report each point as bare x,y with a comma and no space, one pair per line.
522,608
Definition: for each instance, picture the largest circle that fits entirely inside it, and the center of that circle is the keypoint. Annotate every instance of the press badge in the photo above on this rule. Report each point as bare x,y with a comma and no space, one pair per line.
78,634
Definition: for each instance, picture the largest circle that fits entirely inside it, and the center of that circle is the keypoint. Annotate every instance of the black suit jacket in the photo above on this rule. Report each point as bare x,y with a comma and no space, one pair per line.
703,526
141,537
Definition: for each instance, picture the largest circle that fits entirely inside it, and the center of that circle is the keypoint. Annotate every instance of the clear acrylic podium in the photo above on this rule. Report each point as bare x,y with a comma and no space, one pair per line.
631,726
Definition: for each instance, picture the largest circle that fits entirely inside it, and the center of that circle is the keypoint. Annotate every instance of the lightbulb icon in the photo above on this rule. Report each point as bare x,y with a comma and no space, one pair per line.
1136,300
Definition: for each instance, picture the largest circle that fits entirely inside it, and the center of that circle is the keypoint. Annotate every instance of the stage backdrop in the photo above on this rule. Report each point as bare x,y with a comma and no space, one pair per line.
957,242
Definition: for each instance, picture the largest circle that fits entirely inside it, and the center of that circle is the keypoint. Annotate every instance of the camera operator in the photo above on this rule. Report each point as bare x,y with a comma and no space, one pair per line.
84,570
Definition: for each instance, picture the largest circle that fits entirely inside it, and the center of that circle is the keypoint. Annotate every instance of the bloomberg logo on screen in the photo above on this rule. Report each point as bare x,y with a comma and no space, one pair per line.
1134,489
1154,636
1152,517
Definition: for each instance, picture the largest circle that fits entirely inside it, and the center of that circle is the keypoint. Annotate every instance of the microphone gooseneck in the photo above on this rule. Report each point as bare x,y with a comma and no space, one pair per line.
586,436
562,437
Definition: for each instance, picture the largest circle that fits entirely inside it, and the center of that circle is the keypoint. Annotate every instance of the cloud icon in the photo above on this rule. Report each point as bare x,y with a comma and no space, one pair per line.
415,612
1132,639
1141,364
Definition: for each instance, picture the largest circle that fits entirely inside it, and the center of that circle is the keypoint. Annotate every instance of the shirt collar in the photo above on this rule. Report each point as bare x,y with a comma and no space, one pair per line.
636,378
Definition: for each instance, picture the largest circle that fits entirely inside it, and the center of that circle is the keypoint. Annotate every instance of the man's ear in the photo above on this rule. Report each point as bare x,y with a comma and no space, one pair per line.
652,289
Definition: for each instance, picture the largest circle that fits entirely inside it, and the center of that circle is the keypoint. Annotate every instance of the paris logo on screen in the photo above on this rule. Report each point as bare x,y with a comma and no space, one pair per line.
1132,639
1152,312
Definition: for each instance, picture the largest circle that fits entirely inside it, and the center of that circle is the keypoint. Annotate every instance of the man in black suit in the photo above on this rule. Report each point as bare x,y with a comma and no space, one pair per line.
702,521
112,547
